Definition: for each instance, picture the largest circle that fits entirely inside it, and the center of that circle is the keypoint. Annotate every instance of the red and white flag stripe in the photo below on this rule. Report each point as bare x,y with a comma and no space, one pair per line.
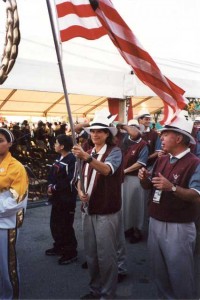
143,65
76,18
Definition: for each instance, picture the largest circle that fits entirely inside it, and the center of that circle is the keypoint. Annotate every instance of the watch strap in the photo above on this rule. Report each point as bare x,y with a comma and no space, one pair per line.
89,159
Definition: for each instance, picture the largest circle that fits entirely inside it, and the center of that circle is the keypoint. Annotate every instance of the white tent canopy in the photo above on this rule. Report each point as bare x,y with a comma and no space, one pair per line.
167,29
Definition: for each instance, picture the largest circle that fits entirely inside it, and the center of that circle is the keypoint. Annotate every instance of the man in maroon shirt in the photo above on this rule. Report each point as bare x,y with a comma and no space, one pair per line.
173,210
150,136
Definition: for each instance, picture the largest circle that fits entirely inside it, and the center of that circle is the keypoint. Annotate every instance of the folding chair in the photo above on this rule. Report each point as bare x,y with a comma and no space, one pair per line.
37,187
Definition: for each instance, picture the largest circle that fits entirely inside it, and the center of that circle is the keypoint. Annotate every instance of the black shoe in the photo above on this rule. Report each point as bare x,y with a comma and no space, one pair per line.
84,265
135,239
121,277
90,296
67,259
53,252
128,233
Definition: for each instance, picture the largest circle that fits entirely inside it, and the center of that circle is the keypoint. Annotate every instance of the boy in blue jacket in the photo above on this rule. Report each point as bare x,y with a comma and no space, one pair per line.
63,195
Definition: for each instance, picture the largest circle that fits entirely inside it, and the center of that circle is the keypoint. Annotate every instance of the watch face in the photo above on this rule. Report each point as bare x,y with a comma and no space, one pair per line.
174,188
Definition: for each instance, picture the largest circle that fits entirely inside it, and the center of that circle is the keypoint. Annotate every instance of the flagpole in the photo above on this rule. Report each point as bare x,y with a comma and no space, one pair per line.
64,87
61,71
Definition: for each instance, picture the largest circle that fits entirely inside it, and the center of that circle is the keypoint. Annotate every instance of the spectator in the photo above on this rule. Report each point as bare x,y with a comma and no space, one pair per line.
40,135
17,135
50,135
25,139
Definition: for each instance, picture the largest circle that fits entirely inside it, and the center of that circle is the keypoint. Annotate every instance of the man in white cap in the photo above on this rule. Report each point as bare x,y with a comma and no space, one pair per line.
173,210
101,197
150,136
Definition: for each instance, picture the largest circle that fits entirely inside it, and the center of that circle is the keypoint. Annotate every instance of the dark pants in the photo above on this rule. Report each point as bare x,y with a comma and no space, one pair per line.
61,224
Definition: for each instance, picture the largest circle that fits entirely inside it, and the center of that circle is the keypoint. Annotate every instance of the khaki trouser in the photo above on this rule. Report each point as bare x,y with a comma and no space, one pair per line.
171,248
101,234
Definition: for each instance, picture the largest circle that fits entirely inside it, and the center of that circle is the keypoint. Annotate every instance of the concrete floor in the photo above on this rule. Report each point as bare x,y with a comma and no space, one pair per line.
43,278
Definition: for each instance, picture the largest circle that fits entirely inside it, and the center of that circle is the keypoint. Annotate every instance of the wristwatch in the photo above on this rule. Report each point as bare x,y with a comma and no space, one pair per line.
89,159
173,188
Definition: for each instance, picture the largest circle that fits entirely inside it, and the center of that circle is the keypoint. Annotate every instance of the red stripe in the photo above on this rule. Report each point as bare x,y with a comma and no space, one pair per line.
66,8
78,31
128,48
112,14
176,87
153,81
128,45
147,77
133,49
165,113
152,77
82,11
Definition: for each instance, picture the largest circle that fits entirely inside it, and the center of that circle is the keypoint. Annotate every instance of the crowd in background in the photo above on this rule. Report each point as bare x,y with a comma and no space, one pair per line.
43,134
130,162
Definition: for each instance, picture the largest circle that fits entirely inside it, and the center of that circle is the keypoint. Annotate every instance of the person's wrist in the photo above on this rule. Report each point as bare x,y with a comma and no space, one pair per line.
88,159
174,188
86,156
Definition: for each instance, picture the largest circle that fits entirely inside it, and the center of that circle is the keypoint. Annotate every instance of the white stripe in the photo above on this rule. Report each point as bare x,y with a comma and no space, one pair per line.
141,162
123,32
111,166
107,2
162,94
73,19
128,36
62,163
166,97
144,66
86,176
92,179
67,171
171,115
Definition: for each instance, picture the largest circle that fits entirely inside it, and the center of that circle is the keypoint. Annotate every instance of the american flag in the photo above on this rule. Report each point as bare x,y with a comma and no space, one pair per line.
128,46
76,18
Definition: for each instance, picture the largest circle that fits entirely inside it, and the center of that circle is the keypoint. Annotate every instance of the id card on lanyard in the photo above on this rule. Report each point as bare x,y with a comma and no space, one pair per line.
158,193
157,196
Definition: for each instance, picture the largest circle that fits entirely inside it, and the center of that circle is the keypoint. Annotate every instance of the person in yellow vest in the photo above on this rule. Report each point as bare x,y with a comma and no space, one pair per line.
13,202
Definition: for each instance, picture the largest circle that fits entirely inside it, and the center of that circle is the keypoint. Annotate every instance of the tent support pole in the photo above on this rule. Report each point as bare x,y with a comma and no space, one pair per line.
62,75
